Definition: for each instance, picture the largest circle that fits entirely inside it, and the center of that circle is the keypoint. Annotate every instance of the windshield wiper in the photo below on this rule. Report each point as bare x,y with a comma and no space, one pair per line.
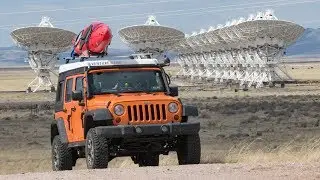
147,92
114,93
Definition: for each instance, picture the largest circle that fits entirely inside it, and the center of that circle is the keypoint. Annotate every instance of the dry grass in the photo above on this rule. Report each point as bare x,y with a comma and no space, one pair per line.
306,152
24,160
233,130
23,97
247,152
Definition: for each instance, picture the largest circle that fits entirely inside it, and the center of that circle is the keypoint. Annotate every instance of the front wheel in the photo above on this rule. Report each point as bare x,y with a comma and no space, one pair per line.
189,149
96,150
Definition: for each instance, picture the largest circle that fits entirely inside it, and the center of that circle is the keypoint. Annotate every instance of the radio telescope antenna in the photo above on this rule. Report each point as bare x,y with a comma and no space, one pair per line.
245,52
43,43
151,37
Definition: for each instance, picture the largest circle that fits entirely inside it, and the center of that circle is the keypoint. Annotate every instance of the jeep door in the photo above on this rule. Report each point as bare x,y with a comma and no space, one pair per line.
76,119
68,107
73,109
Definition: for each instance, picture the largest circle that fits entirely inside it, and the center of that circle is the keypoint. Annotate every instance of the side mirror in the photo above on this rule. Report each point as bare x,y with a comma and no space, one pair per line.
166,61
174,91
77,95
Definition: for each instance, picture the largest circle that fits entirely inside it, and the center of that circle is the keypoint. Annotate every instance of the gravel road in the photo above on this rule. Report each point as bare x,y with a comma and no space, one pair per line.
203,171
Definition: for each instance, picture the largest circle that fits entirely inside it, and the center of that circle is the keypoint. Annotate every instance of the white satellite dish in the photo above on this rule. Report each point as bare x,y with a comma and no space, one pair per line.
43,44
244,51
150,37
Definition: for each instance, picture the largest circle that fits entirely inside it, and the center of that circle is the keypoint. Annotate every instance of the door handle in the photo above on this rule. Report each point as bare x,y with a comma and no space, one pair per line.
69,124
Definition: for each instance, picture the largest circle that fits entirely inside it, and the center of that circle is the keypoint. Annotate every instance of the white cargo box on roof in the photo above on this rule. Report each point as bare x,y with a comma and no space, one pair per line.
76,65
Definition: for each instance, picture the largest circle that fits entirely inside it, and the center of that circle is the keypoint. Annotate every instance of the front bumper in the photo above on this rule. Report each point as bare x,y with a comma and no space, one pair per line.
171,129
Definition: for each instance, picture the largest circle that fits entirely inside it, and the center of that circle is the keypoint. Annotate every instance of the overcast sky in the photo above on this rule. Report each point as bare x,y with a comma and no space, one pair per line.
185,15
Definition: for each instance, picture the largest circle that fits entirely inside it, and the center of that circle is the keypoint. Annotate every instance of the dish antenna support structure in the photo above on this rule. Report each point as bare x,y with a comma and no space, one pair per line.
244,51
151,38
43,44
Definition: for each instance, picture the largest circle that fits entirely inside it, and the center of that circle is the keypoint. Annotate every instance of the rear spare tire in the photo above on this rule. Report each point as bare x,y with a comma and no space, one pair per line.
189,149
61,155
96,149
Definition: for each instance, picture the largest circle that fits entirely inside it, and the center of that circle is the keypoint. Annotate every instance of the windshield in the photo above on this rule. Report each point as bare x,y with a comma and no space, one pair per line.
126,82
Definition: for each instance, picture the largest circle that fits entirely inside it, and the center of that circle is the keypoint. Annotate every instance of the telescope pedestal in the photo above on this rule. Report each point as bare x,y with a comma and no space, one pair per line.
42,80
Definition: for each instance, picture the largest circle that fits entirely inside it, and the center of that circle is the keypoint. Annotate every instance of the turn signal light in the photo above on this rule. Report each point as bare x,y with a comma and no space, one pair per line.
118,120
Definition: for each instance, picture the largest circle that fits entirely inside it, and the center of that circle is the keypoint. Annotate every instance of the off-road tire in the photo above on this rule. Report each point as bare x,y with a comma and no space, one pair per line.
148,160
96,150
61,155
189,149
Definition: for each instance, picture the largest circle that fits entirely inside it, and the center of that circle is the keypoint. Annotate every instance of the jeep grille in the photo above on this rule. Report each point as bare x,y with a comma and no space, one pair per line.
154,112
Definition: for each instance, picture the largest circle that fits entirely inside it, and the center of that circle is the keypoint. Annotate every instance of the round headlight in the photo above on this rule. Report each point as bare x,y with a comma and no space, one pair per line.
173,107
119,110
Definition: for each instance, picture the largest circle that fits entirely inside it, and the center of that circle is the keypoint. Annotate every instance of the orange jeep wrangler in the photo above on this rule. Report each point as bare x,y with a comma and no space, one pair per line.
106,109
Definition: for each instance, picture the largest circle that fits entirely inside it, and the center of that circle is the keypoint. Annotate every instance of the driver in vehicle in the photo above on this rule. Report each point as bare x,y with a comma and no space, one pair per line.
125,85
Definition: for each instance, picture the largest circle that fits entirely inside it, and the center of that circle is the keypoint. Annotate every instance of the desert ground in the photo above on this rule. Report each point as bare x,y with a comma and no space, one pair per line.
269,132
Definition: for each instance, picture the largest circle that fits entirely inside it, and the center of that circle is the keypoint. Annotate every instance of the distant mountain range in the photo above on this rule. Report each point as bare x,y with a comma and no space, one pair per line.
308,45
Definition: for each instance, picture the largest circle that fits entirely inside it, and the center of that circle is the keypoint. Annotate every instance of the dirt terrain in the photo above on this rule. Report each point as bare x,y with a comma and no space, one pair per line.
203,171
269,132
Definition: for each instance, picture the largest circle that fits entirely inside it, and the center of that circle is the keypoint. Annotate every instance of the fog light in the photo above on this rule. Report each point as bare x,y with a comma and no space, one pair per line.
176,117
138,130
164,128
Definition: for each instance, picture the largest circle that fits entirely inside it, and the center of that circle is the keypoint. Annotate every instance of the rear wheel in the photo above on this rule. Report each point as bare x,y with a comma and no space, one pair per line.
61,155
148,160
189,149
96,150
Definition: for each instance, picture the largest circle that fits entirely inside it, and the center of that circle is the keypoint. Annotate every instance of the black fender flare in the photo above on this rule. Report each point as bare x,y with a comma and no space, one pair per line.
96,117
58,128
99,114
189,110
